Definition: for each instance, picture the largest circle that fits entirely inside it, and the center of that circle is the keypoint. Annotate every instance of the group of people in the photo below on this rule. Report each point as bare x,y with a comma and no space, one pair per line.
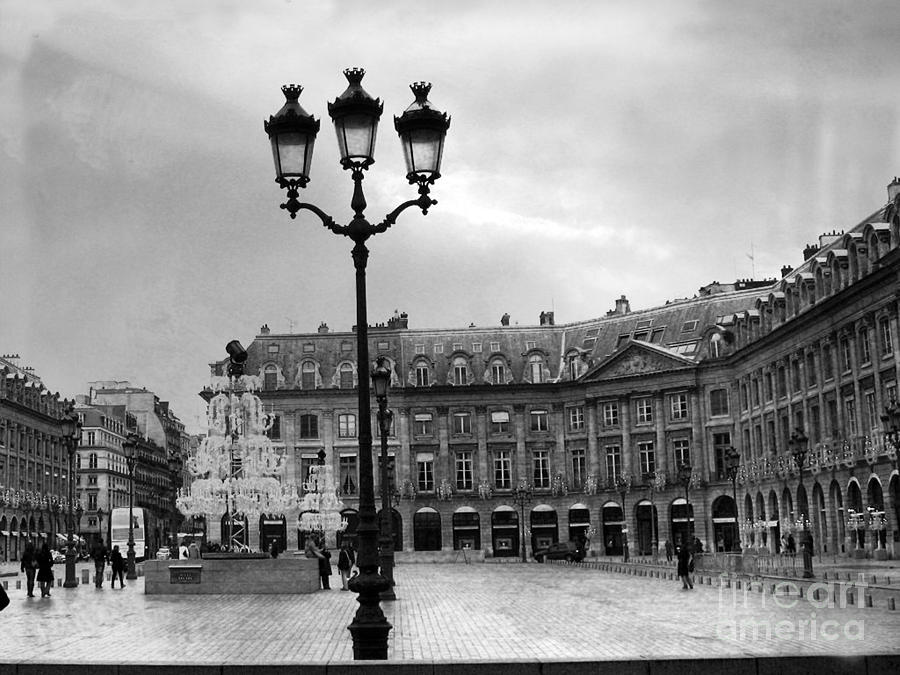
315,548
101,556
37,565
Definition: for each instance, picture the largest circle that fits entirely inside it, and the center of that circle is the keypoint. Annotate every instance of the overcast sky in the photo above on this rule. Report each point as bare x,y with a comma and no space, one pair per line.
596,149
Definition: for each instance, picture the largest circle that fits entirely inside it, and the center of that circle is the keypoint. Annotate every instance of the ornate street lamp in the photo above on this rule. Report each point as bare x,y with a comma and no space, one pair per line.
521,495
685,471
799,447
130,445
623,485
381,380
71,435
422,130
732,467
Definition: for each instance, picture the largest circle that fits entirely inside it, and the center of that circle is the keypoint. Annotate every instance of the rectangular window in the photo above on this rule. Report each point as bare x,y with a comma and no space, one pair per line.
457,346
643,324
346,346
91,438
530,344
611,414
689,326
644,410
718,402
782,381
850,415
865,350
768,390
679,406
884,332
419,348
647,457
346,426
495,346
872,417
796,382
499,422
540,420
476,347
348,475
346,377
754,392
422,424
425,471
421,375
681,449
439,349
308,347
721,443
464,470
462,423
92,501
383,345
613,462
460,374
579,468
846,358
309,426
502,470
498,373
541,463
576,418
811,376
273,349
890,392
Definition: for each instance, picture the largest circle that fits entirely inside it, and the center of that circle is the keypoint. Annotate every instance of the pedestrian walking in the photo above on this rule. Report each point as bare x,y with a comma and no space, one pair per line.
685,567
29,565
100,554
346,560
312,550
117,563
183,550
193,551
45,570
669,550
273,549
791,545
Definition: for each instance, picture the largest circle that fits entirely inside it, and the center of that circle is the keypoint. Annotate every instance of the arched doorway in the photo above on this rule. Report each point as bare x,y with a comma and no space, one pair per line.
839,534
544,526
427,530
645,517
725,527
505,532
787,505
579,522
748,521
613,521
774,524
803,512
348,533
396,527
681,516
239,537
762,521
466,529
856,514
272,529
820,519
876,511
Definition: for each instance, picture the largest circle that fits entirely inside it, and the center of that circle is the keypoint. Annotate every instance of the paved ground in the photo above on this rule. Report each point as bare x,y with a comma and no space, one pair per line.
448,612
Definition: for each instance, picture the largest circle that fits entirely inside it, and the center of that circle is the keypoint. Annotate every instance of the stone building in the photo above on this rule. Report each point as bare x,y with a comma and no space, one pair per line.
597,416
34,462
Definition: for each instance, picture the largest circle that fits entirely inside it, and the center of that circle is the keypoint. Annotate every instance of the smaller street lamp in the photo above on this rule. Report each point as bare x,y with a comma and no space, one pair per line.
732,466
129,445
685,472
623,485
799,447
522,494
71,434
381,380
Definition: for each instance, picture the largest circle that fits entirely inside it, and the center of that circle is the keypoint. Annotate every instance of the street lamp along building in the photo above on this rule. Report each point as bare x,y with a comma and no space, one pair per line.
571,407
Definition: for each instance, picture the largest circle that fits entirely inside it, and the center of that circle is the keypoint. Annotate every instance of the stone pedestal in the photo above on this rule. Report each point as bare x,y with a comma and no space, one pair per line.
287,574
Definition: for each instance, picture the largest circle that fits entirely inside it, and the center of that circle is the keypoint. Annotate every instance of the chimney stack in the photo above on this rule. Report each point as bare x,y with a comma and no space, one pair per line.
893,190
504,320
785,270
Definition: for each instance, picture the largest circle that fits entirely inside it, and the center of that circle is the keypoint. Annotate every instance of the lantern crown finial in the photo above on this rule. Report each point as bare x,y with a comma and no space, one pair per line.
291,91
420,91
354,75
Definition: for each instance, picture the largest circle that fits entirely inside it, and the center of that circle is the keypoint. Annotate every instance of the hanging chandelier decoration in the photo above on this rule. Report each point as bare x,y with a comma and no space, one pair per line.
320,508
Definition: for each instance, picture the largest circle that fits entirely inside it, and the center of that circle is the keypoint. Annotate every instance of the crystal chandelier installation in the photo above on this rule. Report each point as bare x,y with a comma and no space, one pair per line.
320,509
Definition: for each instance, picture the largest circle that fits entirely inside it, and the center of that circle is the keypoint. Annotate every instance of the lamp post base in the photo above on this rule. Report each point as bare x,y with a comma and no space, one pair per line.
71,580
130,572
386,562
369,628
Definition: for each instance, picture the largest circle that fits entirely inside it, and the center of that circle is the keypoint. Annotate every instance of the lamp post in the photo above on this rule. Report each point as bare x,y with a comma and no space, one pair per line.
522,494
292,132
732,466
381,380
685,471
799,447
129,445
623,485
71,433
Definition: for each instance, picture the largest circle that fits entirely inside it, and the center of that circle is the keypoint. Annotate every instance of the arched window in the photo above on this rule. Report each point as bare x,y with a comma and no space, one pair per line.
422,377
270,378
498,371
536,368
308,375
460,371
346,376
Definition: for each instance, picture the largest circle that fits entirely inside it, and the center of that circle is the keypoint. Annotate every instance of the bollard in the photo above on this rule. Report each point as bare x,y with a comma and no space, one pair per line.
824,576
800,588
868,601
850,598
890,603
85,576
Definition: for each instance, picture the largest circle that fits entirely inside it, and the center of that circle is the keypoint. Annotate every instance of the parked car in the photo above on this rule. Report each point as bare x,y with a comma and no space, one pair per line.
564,550
163,553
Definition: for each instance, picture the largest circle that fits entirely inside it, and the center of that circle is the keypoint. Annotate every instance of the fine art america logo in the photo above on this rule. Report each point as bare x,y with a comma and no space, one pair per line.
794,613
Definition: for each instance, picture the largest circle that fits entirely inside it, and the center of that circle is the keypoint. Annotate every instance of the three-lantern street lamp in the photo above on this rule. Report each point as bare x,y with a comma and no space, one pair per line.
732,467
71,436
130,446
799,447
381,380
292,132
521,495
685,473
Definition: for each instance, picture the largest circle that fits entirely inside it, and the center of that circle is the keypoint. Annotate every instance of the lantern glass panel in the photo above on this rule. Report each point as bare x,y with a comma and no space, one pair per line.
422,149
356,137
292,153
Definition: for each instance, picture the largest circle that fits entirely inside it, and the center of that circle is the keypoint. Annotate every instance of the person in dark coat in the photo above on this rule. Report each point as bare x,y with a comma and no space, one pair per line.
117,562
45,570
669,550
685,566
346,560
29,565
100,554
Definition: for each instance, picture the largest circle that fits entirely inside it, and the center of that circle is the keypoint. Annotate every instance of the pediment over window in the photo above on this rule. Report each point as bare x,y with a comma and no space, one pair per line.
638,358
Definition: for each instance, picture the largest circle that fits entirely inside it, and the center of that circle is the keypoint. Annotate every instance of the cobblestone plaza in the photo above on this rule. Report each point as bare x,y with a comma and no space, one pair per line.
447,614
